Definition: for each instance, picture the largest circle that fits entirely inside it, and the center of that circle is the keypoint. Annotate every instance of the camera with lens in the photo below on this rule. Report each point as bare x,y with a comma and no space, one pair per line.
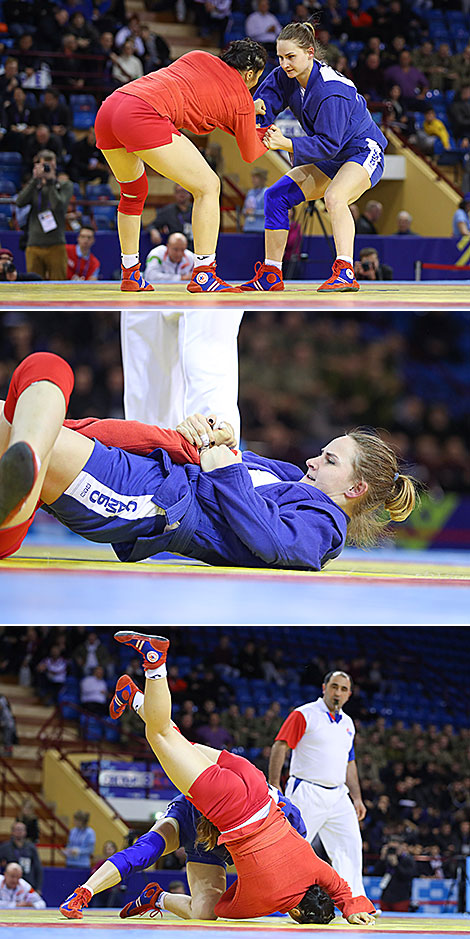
366,265
47,167
6,267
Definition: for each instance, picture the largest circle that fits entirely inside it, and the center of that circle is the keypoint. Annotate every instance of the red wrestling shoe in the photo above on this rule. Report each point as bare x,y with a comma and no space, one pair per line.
132,279
152,648
75,903
205,280
18,472
266,278
123,696
145,902
341,279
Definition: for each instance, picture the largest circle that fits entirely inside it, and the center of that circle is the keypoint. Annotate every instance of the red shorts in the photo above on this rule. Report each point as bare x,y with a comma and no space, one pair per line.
229,792
124,120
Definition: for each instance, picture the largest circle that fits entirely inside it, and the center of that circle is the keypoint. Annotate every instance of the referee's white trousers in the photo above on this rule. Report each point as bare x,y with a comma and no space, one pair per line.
331,814
177,362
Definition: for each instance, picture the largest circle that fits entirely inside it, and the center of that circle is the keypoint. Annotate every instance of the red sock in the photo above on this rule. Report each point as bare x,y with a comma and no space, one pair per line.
136,437
40,366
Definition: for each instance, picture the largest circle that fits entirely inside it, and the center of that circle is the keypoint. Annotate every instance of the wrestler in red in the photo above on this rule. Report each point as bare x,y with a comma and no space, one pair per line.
277,869
141,123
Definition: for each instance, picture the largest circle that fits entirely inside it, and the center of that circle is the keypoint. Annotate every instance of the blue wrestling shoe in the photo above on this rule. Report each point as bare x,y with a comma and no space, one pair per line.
152,648
341,279
123,696
132,279
75,903
266,278
145,902
205,280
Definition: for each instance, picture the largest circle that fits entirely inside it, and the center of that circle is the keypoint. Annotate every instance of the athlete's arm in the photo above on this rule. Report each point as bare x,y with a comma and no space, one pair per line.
135,437
274,95
162,839
340,892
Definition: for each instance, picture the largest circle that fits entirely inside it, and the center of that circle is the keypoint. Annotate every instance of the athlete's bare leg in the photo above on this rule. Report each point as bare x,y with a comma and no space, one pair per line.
350,182
207,883
180,161
313,184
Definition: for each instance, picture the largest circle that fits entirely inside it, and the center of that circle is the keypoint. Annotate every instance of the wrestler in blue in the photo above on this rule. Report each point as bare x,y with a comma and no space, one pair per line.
205,869
201,500
341,156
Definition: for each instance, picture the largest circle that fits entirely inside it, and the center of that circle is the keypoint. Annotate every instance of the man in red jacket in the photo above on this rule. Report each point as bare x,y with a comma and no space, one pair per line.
81,263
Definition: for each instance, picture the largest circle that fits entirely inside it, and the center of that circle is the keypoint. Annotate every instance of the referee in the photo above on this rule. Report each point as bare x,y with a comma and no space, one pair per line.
323,780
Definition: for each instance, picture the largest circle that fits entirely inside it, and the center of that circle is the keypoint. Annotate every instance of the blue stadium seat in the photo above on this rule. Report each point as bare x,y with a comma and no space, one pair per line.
104,216
5,219
7,188
83,109
11,166
98,191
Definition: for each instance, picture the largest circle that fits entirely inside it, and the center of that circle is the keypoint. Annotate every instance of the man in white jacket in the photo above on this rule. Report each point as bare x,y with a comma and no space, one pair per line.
16,892
171,263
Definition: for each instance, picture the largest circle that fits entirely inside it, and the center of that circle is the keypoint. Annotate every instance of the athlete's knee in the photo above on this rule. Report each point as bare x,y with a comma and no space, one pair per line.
207,184
40,366
278,199
133,196
203,907
333,199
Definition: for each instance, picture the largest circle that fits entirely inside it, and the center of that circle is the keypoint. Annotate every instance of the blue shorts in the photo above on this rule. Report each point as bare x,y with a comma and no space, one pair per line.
370,156
113,497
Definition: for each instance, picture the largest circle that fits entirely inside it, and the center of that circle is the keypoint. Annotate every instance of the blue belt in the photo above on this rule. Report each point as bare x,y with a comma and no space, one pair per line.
298,780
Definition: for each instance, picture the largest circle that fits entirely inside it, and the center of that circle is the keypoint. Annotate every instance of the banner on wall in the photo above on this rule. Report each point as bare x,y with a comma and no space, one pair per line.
138,780
440,523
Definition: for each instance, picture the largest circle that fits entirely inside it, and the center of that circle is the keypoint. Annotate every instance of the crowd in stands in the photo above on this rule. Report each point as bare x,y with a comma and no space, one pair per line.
59,60
232,687
406,374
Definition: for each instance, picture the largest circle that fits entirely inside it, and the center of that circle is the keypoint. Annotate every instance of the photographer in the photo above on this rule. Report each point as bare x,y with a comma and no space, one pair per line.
370,268
397,868
8,271
49,198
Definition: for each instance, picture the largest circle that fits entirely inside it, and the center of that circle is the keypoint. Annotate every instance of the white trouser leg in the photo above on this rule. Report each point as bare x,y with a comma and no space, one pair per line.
308,799
341,837
208,353
153,379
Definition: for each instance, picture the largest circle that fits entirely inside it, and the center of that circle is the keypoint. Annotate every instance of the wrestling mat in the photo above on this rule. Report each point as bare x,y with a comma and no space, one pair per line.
109,926
298,295
70,581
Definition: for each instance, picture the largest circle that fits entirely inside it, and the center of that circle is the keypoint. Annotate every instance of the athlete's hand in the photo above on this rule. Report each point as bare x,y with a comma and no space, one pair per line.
208,430
260,107
361,810
361,919
215,457
274,140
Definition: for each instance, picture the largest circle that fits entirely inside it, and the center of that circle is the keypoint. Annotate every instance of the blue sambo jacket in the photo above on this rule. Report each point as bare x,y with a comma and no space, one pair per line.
222,519
331,111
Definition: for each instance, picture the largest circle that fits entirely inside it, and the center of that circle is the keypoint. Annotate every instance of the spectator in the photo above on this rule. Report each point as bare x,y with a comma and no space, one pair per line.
369,267
213,16
397,868
263,26
412,82
85,34
433,130
7,726
331,17
249,661
157,51
19,122
171,263
174,217
459,113
329,52
29,818
81,841
94,693
132,30
81,263
52,672
461,68
213,734
366,222
70,65
9,271
104,49
370,79
28,61
126,66
53,28
396,115
22,852
17,893
87,163
253,206
91,653
356,23
42,139
404,220
9,80
55,114
443,75
424,58
461,219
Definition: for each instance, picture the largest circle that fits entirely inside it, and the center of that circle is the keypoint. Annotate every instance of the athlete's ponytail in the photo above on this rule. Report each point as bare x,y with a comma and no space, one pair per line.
243,54
206,833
